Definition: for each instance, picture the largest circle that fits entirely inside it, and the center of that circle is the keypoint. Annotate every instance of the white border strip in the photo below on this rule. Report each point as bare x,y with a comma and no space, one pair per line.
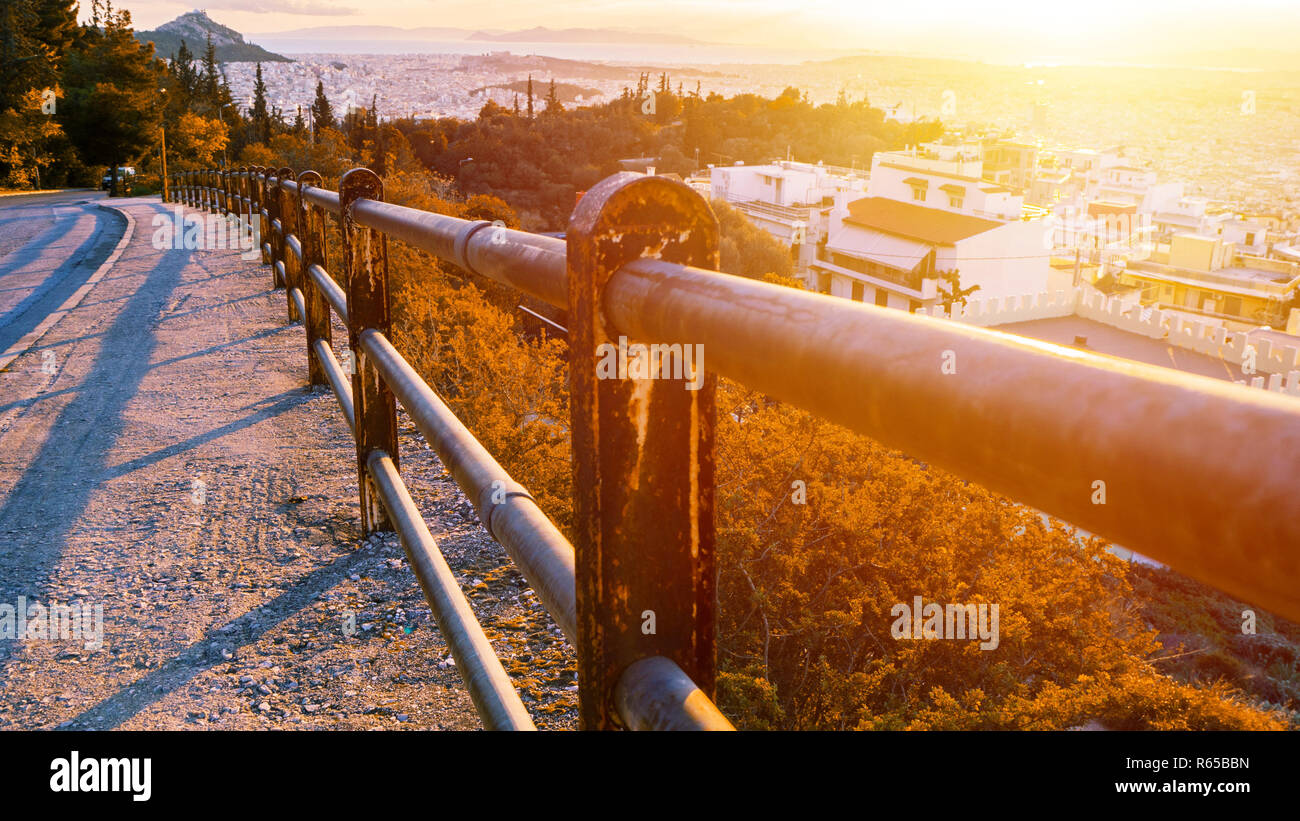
21,346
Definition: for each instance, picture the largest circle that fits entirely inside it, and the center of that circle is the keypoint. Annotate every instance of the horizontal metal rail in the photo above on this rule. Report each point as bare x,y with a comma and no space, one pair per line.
654,694
1038,422
489,686
541,552
298,302
531,263
331,290
1119,448
338,381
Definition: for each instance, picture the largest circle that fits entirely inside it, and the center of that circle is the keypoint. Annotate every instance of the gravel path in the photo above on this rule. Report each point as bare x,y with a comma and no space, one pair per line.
169,464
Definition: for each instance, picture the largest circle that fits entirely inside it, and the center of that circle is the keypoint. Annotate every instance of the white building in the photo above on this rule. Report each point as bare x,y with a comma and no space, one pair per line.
1139,186
944,177
790,200
893,253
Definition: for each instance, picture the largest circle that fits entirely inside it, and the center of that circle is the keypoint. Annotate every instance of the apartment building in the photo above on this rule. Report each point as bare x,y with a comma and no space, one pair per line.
893,253
945,178
1208,276
789,200
1140,186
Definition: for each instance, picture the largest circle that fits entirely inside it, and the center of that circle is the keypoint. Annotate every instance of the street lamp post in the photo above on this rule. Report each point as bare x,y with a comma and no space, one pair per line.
162,130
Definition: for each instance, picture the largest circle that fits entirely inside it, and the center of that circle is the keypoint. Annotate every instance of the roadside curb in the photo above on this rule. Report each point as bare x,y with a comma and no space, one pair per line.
33,336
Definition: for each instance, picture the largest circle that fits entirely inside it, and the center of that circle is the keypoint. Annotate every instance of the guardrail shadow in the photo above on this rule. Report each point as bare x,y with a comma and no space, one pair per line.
57,485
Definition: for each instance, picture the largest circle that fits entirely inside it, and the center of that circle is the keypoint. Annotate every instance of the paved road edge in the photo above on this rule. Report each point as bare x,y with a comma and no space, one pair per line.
33,336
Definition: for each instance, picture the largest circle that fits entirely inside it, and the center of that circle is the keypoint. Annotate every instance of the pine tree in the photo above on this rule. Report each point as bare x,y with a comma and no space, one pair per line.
322,116
110,110
260,116
209,83
186,76
552,100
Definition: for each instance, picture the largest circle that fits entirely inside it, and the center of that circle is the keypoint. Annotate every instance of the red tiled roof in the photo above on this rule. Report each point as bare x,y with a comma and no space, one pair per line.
915,221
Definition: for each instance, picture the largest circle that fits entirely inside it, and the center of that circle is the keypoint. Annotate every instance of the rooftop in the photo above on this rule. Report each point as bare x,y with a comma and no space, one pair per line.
916,221
1104,339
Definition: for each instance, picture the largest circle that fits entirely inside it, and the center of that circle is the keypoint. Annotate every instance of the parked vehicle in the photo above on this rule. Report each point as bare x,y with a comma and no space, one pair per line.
124,175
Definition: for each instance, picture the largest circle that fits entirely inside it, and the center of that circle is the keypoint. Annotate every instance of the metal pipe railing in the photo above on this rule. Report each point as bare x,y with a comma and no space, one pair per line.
513,518
330,290
338,381
1140,429
654,694
489,686
1040,423
1113,446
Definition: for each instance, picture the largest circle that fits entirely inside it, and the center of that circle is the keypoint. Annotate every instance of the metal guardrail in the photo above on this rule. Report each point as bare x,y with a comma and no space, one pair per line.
1040,423
639,689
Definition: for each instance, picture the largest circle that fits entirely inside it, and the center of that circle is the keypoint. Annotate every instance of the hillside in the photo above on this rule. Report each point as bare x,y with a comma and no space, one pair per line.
195,28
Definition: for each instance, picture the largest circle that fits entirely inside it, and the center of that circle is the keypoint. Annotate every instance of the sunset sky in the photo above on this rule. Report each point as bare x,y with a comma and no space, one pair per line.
1116,30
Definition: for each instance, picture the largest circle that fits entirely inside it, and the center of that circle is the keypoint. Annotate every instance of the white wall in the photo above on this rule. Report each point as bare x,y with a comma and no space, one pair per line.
1006,261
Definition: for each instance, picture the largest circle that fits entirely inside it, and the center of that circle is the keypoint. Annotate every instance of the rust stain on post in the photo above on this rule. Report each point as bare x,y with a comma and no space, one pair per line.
287,206
311,222
365,255
643,451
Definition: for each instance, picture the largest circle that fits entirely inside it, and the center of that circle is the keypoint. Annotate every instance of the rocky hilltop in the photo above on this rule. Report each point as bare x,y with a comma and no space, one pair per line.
195,27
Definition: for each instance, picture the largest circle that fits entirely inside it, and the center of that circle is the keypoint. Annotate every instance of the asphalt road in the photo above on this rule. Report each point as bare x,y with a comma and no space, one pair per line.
49,245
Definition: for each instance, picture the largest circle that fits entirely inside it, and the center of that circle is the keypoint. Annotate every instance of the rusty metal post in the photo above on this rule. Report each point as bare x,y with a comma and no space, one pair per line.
246,206
311,222
365,259
255,205
271,199
263,229
643,450
286,206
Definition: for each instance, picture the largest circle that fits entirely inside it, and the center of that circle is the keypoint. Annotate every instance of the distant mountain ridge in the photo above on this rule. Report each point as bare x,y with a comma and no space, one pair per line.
540,34
195,27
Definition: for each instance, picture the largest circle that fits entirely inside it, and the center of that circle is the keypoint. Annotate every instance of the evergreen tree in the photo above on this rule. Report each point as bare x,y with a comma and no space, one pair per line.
322,116
209,82
110,110
552,101
186,76
530,96
260,116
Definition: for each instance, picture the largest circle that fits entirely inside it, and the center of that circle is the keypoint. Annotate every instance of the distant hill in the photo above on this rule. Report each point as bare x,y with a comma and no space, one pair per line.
194,27
423,33
542,34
